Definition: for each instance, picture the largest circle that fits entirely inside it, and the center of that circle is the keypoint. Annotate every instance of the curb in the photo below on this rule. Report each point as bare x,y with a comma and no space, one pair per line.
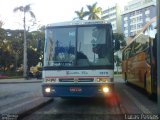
17,82
22,110
31,110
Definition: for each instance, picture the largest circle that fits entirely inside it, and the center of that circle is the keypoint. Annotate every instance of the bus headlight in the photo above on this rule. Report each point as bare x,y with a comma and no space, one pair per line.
106,89
103,80
47,89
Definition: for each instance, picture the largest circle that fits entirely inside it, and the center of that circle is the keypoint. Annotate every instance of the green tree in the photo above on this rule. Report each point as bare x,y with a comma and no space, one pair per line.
94,12
6,56
11,48
119,37
36,47
16,39
81,14
2,36
117,61
33,57
25,9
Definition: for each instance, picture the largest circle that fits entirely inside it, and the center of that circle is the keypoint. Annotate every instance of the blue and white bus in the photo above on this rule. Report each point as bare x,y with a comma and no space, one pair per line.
78,59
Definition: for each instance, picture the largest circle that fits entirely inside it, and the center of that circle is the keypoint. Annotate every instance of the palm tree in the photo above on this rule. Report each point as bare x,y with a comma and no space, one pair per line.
94,12
24,10
81,14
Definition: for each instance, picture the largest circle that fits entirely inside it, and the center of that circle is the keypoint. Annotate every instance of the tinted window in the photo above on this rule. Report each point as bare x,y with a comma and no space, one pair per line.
61,44
94,46
79,46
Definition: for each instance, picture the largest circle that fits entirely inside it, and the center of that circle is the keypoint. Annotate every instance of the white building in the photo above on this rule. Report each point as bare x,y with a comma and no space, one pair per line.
113,15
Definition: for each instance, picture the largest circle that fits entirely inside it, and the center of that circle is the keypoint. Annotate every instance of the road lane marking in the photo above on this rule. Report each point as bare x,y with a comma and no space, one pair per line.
19,105
137,103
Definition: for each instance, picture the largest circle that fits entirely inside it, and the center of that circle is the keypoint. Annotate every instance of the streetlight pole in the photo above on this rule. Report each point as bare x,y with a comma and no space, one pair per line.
158,55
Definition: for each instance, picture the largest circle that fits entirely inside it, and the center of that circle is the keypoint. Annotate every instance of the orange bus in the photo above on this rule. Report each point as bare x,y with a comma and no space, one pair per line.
138,66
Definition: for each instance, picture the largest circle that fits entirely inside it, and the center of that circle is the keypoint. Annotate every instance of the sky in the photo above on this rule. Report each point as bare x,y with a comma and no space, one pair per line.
47,11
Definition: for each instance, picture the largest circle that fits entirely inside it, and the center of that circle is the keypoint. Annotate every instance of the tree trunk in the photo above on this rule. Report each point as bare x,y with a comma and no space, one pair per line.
25,51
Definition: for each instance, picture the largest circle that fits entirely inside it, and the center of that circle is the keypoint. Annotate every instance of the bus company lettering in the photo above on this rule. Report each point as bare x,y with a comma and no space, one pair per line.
76,72
84,72
72,73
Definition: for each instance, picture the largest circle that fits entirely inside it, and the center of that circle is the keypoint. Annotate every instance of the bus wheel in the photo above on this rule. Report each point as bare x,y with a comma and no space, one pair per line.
125,79
149,95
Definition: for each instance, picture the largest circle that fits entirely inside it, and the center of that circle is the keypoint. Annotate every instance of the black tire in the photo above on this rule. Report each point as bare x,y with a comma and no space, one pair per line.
149,95
125,79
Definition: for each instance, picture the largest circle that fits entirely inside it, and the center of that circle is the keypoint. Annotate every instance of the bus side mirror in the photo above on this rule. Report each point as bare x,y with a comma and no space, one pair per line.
116,45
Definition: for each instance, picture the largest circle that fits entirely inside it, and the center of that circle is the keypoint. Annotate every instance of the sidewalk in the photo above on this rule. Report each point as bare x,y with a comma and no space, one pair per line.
28,102
20,80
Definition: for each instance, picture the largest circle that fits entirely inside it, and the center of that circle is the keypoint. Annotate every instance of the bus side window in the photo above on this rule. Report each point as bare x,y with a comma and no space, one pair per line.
132,53
142,43
148,60
154,50
138,46
125,55
128,52
152,30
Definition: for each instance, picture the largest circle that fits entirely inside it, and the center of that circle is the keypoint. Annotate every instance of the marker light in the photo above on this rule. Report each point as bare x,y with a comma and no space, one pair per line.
48,90
105,89
48,80
104,80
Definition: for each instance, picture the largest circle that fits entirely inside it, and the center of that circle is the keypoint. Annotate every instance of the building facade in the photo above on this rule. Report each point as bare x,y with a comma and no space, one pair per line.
136,14
112,14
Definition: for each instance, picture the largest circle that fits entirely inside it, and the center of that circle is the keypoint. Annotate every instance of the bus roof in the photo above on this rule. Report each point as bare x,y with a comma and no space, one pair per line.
78,22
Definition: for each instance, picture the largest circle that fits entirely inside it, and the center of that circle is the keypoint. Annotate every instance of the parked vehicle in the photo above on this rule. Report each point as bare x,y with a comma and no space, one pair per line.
36,71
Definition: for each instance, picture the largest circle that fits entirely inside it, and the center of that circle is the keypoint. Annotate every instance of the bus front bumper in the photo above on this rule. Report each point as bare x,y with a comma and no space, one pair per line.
77,90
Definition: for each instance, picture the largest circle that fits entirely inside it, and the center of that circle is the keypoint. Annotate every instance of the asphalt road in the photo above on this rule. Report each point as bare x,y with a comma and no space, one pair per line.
14,94
128,100
76,109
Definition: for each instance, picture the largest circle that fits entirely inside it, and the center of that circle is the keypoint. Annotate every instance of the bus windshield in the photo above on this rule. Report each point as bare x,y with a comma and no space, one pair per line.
78,46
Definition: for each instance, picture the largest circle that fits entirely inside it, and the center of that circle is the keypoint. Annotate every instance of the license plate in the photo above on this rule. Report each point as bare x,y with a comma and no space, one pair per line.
75,89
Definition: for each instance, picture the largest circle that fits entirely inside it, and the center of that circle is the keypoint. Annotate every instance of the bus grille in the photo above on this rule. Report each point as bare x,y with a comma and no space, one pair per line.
66,80
85,80
76,80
